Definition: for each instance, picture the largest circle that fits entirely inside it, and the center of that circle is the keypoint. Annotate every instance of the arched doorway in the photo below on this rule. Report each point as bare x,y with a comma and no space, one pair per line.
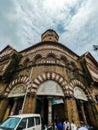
16,99
82,101
50,101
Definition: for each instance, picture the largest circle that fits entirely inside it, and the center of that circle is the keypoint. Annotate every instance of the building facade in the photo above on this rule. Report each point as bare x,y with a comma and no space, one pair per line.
50,79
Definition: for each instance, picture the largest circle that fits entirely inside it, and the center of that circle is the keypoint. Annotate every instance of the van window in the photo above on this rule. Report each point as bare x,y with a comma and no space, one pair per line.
37,120
30,122
22,124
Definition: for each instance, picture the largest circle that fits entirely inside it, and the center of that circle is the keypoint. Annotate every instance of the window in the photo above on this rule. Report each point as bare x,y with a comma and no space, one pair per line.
96,97
22,124
37,58
10,123
37,120
73,65
63,60
51,58
30,122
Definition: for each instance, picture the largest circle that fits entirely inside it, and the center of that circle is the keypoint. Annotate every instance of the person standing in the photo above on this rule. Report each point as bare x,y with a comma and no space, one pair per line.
59,126
83,126
73,126
66,125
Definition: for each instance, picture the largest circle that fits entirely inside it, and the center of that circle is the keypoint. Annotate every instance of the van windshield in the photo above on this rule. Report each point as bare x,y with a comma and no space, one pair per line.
10,123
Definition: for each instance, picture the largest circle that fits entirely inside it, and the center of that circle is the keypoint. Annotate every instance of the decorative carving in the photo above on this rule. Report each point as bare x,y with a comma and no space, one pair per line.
7,52
19,89
79,94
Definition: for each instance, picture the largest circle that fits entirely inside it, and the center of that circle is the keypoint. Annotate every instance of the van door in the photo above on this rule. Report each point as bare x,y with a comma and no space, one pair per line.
22,125
31,124
38,123
34,123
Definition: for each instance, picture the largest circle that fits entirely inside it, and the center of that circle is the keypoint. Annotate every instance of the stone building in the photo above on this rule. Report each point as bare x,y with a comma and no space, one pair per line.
50,79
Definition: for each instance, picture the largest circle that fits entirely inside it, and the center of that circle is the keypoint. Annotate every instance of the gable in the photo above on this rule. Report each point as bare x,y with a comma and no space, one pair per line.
6,51
5,58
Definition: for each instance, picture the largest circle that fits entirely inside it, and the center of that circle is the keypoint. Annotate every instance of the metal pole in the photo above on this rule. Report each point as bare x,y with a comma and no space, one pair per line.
26,92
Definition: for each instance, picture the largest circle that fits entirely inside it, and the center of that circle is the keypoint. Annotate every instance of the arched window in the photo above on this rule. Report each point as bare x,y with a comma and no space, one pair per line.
26,61
37,58
73,66
96,98
51,58
63,60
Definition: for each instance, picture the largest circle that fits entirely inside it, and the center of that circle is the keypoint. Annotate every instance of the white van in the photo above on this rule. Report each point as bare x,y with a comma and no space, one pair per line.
22,122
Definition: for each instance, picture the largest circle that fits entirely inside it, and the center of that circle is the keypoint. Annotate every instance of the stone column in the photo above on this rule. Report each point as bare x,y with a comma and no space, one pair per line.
49,112
29,104
14,106
32,104
68,111
74,112
83,112
7,112
91,114
3,107
71,111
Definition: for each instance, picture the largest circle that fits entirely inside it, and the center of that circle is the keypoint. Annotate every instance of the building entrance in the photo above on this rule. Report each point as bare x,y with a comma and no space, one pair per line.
49,94
83,111
50,108
15,105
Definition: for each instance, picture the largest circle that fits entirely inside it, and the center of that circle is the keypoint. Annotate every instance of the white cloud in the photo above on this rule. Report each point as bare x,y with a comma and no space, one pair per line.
24,21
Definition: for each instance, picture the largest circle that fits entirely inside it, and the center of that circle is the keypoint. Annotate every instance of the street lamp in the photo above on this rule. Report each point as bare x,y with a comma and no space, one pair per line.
95,47
25,96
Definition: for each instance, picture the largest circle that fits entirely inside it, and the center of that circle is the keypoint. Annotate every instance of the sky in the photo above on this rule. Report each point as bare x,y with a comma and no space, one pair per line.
76,22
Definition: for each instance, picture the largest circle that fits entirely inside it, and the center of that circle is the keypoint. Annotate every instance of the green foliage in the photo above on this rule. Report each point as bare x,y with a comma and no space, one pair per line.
12,67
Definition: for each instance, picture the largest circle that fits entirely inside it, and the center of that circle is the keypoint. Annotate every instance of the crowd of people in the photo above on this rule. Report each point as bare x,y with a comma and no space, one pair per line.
65,125
59,124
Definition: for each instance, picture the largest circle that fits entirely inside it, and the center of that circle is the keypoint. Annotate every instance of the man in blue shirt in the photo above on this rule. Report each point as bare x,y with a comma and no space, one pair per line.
59,126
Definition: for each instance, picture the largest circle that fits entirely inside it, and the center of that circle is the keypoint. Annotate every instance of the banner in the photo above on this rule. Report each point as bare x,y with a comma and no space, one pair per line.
57,101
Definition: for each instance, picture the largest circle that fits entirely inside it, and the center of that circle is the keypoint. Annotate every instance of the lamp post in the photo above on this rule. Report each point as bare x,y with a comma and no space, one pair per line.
95,47
26,91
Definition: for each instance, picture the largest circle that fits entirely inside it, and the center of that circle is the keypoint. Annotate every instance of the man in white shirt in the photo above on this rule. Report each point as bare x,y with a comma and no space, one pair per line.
83,127
73,126
66,125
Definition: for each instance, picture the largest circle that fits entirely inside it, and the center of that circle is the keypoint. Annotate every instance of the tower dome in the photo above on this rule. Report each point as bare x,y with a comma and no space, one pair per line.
50,35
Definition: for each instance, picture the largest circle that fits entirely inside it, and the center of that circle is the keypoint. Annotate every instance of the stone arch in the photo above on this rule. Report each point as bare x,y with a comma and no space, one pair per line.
74,83
51,55
48,76
22,79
